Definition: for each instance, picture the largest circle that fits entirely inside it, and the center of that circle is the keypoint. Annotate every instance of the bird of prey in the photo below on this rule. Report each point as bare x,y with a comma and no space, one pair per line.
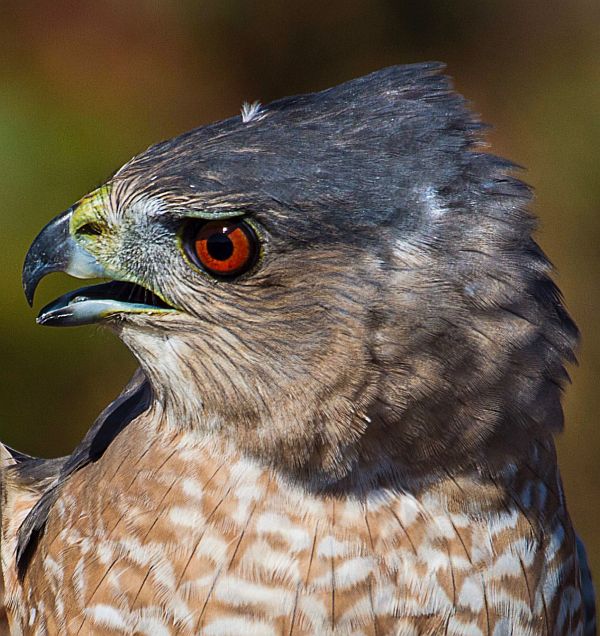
351,357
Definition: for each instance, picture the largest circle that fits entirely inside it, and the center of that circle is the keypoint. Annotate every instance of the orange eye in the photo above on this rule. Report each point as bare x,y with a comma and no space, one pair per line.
225,248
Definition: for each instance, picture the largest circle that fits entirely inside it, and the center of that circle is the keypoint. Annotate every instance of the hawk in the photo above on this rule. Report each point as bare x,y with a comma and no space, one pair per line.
351,357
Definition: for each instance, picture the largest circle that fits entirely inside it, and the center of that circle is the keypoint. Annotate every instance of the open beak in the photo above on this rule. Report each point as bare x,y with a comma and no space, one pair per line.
55,250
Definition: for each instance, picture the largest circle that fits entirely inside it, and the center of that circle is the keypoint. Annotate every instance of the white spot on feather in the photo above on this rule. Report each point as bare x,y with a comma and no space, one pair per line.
238,625
435,559
314,612
407,510
296,537
53,569
330,547
353,571
212,547
239,592
503,626
434,202
503,521
186,517
138,553
192,488
261,558
248,471
471,595
464,629
149,626
507,564
556,542
251,111
79,579
106,616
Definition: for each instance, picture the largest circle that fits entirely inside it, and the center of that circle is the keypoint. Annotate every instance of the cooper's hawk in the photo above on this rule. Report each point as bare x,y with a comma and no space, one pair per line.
351,359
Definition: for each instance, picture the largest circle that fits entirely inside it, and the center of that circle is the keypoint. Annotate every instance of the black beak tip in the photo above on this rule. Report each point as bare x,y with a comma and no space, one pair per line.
30,282
48,253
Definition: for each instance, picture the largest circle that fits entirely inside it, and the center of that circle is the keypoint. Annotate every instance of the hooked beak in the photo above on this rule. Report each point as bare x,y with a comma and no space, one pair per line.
55,250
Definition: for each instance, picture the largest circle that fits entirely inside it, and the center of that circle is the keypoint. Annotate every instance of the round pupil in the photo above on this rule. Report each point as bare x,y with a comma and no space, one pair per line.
219,246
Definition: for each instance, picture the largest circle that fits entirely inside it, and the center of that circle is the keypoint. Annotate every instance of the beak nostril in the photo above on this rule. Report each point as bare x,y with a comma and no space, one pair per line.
89,229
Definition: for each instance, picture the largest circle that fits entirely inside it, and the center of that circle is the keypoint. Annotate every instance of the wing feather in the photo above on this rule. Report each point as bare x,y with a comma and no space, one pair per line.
134,400
29,487
20,488
587,590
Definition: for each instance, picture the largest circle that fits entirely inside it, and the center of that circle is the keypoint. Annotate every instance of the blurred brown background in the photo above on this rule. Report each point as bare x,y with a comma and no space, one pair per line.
85,85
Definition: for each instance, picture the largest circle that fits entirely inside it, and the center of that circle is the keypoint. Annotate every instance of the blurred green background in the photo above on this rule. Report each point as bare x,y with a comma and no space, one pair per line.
85,85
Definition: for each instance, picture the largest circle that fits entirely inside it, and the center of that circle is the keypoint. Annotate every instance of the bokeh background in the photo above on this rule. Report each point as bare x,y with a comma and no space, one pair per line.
85,85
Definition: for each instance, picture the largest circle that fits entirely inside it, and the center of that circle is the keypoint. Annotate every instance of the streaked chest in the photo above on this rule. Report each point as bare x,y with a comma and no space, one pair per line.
177,539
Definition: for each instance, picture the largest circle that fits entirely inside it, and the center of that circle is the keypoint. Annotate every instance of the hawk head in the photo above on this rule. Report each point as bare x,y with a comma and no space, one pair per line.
341,284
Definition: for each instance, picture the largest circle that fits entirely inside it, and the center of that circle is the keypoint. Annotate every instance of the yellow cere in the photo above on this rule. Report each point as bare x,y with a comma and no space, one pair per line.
91,208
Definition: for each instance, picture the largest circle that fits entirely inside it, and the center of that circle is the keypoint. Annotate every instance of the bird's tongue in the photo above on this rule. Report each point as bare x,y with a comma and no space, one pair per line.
92,304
